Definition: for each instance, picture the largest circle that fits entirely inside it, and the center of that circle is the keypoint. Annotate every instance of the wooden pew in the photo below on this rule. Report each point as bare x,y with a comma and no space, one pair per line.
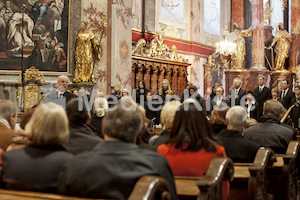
210,185
283,175
250,179
147,188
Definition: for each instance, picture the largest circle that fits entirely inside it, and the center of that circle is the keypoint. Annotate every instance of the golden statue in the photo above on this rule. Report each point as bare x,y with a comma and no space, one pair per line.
87,48
283,40
237,58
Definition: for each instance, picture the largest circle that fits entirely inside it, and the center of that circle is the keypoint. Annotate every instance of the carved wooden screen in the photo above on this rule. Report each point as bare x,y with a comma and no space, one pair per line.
155,61
153,71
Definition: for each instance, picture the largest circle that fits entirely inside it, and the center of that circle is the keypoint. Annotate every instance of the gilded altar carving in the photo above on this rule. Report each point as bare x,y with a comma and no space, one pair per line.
32,77
157,48
282,40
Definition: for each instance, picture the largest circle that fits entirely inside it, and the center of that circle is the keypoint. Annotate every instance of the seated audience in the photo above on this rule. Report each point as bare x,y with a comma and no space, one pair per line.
37,166
237,147
113,167
8,119
191,146
217,119
82,134
269,132
20,138
249,122
166,117
99,110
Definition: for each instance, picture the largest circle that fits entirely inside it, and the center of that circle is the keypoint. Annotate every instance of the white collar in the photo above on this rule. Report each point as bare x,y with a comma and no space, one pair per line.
5,122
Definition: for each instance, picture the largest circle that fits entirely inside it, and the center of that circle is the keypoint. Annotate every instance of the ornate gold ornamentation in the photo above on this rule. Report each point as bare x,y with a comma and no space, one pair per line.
31,96
284,4
157,48
31,91
267,13
32,74
282,40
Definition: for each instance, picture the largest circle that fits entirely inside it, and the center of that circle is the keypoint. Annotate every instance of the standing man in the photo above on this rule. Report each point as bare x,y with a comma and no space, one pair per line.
60,95
286,94
236,93
261,95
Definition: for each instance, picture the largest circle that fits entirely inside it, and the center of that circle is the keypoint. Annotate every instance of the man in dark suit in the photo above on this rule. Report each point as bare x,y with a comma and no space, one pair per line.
113,167
261,95
238,148
8,119
295,112
286,94
60,95
236,93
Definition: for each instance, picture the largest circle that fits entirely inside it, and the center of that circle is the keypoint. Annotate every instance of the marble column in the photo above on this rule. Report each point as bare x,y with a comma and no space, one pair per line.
258,61
295,45
237,14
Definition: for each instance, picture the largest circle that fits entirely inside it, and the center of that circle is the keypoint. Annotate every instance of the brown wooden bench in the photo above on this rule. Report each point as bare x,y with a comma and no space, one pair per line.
147,187
283,175
250,179
210,185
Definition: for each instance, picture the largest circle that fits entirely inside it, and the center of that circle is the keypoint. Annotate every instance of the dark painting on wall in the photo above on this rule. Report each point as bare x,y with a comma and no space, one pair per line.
35,31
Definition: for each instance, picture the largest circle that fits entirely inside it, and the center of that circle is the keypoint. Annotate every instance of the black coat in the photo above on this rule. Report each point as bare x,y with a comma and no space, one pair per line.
197,97
260,99
82,138
34,168
237,147
141,95
287,100
96,122
239,97
160,138
270,133
295,113
111,171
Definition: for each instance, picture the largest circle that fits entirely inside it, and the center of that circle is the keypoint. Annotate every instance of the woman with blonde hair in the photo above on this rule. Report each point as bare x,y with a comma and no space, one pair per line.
164,89
37,166
99,110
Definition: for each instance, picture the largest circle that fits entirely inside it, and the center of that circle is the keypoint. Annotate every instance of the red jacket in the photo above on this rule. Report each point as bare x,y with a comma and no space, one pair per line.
192,163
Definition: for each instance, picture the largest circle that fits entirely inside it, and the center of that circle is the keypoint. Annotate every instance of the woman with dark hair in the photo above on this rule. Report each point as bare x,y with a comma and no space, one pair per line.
141,92
191,146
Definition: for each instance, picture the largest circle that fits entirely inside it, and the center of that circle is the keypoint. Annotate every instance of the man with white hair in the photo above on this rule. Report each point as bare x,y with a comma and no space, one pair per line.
237,147
60,95
112,168
8,118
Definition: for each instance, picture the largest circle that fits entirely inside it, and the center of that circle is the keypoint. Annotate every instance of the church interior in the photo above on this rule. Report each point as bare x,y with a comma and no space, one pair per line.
73,61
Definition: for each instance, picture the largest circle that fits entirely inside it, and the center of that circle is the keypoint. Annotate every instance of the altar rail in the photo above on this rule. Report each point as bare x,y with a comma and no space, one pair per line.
153,71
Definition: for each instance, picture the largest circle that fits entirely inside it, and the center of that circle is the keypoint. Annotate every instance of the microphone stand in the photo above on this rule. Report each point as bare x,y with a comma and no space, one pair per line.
23,9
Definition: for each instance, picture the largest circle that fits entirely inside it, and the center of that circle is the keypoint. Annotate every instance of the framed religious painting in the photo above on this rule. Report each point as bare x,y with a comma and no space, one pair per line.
34,33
